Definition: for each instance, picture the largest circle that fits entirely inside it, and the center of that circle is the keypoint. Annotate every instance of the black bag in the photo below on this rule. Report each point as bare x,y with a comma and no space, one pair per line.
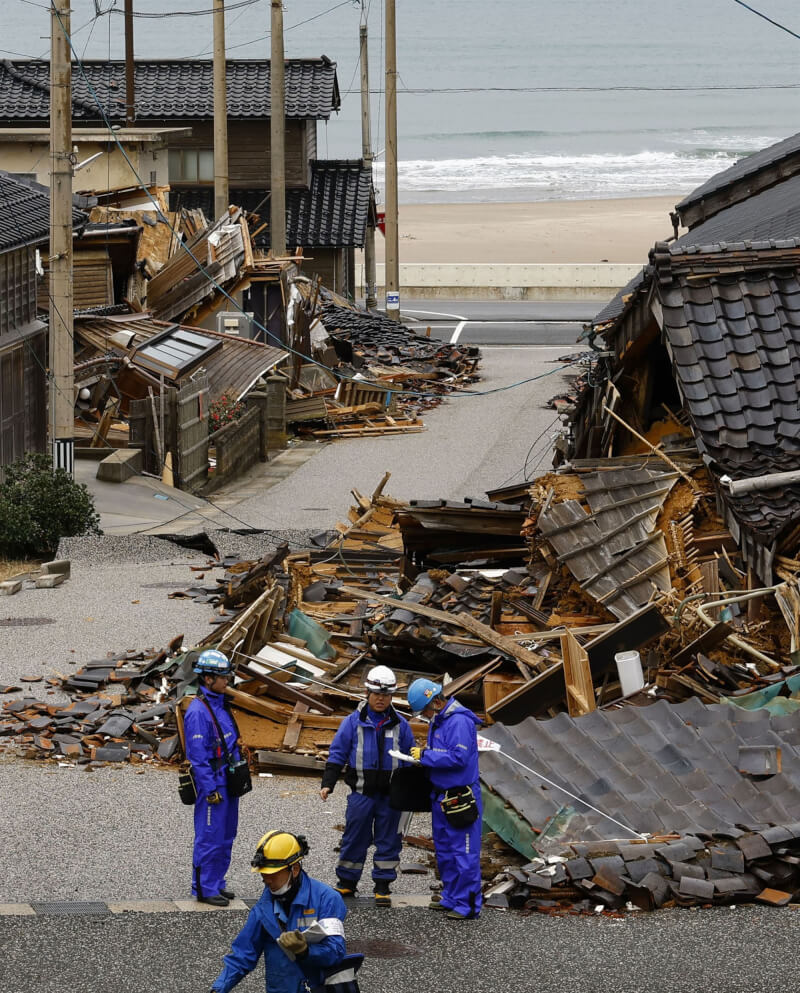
187,790
410,789
237,777
459,806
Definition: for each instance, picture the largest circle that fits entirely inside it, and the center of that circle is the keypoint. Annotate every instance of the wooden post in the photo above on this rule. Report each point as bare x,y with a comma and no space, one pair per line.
61,359
221,195
371,299
277,134
392,279
130,68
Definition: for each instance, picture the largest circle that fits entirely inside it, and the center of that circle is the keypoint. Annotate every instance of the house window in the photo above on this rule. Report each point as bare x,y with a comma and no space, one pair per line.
191,165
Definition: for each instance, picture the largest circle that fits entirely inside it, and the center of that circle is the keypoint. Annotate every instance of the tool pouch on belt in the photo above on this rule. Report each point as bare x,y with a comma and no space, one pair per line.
459,806
237,778
187,790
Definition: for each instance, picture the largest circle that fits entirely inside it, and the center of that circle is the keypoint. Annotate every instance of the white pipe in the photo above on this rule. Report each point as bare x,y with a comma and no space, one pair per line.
767,482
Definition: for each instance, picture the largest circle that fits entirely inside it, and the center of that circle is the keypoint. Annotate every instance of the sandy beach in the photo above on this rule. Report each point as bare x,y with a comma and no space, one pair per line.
556,231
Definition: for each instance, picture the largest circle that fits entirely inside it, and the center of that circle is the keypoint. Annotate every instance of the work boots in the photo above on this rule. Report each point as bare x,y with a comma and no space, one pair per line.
346,887
383,895
216,901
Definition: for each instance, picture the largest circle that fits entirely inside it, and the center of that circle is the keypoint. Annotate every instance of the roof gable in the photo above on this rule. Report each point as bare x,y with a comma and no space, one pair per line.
174,90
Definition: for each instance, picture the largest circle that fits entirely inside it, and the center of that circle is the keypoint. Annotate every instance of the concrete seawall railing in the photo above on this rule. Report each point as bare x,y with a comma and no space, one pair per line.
515,281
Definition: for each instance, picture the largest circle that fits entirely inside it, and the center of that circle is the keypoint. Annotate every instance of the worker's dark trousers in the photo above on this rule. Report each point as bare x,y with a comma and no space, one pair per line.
370,820
214,830
458,858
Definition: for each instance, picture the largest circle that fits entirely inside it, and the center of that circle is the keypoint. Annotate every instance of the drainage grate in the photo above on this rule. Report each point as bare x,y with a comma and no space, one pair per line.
67,907
380,949
25,622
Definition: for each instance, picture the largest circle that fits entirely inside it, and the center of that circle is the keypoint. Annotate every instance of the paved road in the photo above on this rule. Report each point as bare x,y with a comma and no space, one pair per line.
501,322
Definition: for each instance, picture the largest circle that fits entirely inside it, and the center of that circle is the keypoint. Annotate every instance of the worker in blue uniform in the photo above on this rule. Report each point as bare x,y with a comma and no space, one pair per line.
216,813
451,758
359,753
297,925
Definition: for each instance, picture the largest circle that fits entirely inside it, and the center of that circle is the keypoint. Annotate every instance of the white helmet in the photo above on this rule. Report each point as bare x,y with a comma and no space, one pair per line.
381,679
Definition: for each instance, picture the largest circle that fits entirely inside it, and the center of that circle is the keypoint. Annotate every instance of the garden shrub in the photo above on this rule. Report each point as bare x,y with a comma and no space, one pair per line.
38,507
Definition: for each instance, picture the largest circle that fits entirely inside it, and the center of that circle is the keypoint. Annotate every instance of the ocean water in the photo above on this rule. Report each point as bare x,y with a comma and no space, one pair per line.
510,100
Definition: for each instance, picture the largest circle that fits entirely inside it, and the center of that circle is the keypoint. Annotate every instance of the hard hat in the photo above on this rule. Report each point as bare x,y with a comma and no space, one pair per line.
421,692
212,663
381,679
277,850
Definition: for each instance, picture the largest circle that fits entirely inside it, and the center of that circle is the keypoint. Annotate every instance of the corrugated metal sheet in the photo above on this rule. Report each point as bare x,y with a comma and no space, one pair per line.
614,551
656,769
234,367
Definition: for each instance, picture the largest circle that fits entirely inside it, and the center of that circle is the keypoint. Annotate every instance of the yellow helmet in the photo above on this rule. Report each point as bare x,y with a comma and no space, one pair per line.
277,850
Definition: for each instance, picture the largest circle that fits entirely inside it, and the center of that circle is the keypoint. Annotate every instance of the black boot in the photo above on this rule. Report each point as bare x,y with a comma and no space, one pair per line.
383,895
346,887
216,901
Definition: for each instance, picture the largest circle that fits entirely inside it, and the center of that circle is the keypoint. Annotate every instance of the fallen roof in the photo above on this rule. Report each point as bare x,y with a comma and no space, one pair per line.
665,767
170,89
333,212
25,213
235,367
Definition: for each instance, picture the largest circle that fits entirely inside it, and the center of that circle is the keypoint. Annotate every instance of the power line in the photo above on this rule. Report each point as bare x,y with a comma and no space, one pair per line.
771,21
722,87
186,13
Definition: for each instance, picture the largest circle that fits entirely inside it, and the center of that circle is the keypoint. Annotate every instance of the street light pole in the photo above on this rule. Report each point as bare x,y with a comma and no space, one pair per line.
366,153
392,236
61,356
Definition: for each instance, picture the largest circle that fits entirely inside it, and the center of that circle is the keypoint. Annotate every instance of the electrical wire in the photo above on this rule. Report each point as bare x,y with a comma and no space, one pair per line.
771,21
185,13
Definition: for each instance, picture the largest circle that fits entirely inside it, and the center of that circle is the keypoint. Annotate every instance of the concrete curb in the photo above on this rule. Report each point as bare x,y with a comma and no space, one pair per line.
71,908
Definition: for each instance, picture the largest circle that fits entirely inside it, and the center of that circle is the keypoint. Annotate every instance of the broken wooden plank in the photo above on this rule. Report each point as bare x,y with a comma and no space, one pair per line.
705,643
577,676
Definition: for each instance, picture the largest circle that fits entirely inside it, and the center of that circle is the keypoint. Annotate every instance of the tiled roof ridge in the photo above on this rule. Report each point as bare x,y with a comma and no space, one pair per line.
20,76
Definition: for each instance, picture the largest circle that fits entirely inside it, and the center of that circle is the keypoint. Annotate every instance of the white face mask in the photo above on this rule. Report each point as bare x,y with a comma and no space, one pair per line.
284,889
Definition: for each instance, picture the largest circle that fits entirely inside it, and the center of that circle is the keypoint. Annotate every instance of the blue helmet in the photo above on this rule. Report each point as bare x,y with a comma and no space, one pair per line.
422,692
213,663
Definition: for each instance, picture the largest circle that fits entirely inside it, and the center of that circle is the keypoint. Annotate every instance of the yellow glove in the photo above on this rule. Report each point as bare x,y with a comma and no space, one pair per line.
215,797
293,942
416,752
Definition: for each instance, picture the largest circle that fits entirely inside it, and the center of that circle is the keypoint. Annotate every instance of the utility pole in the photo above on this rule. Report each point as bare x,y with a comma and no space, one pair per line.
366,154
392,237
61,356
221,197
130,82
277,134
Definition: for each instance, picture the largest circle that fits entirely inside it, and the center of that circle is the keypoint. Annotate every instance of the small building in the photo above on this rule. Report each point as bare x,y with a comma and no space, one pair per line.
328,203
24,228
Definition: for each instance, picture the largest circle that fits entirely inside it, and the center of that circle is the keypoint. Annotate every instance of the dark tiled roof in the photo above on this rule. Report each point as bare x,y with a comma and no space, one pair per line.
773,214
333,212
25,213
656,769
748,166
734,340
616,307
174,90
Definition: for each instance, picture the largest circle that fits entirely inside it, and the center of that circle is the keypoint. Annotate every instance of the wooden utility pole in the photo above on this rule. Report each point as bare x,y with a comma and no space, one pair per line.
366,154
221,197
130,82
61,359
392,235
277,134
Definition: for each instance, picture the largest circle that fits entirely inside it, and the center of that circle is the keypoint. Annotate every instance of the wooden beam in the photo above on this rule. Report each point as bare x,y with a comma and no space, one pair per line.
577,676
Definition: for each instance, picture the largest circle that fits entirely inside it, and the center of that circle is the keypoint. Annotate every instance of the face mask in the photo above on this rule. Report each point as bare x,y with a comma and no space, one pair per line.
284,889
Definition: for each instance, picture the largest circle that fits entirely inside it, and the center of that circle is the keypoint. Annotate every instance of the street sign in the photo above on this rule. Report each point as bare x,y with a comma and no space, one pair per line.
393,300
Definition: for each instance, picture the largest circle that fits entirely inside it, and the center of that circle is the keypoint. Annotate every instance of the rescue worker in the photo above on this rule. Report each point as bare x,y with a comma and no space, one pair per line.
292,902
451,758
216,814
359,753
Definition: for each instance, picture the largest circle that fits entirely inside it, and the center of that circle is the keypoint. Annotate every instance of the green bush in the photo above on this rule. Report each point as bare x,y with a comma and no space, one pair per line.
39,506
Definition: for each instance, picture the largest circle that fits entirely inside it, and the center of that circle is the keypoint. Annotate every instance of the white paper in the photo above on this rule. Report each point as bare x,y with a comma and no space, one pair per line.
325,928
396,754
486,745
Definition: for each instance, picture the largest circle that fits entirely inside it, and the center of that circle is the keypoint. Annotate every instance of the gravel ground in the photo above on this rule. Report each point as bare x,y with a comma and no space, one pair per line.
744,950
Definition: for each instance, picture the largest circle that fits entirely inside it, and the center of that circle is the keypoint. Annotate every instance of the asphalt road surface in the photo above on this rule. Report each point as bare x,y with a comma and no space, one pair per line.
499,322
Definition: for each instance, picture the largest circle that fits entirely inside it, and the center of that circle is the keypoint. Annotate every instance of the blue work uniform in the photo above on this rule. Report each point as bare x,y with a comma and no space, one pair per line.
451,759
359,753
215,824
313,902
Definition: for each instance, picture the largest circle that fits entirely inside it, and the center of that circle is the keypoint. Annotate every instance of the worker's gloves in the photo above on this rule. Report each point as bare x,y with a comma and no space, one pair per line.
416,752
215,797
293,943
